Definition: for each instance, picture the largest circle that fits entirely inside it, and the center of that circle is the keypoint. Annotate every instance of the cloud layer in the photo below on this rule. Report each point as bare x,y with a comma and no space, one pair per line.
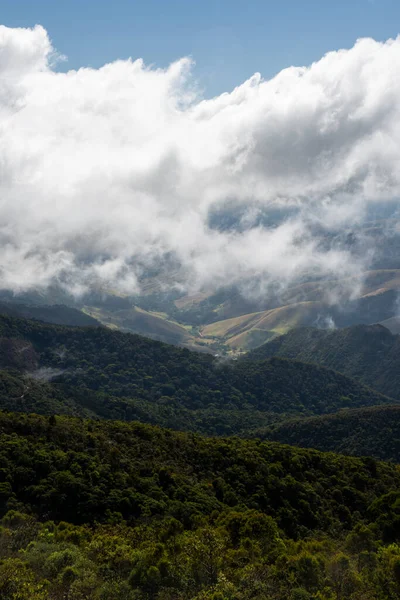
107,173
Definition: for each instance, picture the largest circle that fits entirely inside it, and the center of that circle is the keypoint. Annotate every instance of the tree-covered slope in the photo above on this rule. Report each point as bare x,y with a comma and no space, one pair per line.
117,511
363,432
128,377
75,470
22,393
369,353
58,314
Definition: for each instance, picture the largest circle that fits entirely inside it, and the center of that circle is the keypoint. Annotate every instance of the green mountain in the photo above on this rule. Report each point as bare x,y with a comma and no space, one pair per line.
361,432
144,470
107,510
58,314
114,375
24,393
368,353
225,321
117,511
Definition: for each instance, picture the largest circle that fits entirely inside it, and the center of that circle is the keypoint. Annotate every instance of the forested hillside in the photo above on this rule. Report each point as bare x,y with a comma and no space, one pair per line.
58,314
110,374
123,511
106,510
369,353
361,432
21,393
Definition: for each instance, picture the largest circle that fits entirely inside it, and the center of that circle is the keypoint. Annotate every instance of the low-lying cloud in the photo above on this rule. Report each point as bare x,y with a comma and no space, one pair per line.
107,173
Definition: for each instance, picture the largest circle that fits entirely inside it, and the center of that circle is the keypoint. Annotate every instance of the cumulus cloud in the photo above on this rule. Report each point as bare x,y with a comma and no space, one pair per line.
108,173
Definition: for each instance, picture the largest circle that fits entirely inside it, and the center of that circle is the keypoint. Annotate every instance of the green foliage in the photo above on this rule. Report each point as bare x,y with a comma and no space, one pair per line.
203,563
109,510
84,471
368,353
372,432
112,375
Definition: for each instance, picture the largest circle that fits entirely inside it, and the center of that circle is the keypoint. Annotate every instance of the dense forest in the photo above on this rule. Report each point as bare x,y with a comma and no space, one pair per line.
20,393
109,374
368,353
361,432
114,511
95,508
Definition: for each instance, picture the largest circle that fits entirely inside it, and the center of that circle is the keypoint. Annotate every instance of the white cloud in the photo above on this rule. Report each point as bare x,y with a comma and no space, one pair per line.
104,173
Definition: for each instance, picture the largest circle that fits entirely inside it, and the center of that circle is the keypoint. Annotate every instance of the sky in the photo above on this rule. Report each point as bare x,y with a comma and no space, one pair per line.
124,166
228,39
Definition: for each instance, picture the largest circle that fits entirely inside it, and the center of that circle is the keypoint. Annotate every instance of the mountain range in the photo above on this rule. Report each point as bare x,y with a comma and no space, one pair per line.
97,508
227,321
111,374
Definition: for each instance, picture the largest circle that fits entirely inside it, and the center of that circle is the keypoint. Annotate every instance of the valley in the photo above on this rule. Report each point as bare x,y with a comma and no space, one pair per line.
228,323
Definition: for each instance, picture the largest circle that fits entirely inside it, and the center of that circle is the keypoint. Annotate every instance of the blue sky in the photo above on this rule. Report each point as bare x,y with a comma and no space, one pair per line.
229,39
